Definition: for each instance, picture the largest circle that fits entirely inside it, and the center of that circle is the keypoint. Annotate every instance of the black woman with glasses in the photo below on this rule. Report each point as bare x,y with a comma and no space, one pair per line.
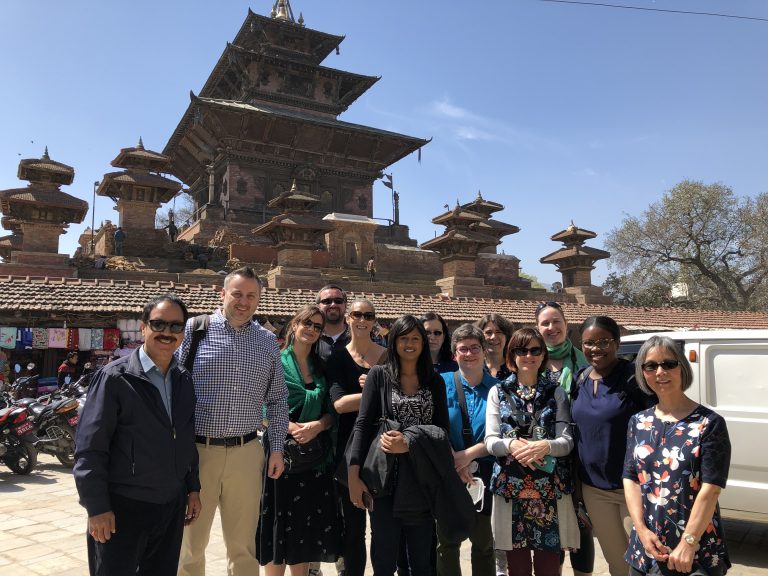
347,371
439,339
565,361
605,396
528,429
308,496
677,462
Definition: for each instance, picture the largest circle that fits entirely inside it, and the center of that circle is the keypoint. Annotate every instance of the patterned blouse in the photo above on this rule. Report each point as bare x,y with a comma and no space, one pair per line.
412,410
670,461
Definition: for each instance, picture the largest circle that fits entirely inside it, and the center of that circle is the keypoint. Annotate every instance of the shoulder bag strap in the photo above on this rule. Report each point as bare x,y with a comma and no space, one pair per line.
466,426
199,328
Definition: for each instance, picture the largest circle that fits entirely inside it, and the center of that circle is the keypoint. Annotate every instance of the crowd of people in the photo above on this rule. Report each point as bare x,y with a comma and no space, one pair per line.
518,440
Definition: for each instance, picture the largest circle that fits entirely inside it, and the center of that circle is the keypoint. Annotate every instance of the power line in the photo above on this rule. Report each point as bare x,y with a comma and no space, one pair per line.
605,5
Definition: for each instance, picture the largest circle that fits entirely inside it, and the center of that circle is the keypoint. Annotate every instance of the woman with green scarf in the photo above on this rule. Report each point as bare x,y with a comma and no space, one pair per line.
298,522
565,361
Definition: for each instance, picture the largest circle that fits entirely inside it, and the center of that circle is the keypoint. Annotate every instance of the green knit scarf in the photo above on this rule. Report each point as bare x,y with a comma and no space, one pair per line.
297,392
573,360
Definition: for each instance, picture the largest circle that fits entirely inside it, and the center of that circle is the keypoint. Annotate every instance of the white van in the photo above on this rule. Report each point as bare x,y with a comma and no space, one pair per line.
730,375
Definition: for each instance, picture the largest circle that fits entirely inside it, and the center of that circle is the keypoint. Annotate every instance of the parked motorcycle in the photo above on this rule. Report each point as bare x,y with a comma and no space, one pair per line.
54,425
17,450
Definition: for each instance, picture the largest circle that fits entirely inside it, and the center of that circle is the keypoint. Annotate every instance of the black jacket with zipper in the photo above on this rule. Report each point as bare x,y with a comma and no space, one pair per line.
127,444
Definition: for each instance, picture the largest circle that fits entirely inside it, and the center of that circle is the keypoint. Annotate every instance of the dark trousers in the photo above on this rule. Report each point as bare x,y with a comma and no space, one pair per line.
146,542
544,563
385,541
582,559
354,536
483,558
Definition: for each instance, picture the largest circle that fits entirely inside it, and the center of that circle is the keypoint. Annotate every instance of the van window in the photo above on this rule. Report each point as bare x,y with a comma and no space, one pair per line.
735,375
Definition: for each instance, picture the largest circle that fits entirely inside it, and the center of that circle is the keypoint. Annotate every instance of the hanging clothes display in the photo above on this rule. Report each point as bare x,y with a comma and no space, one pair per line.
40,338
57,337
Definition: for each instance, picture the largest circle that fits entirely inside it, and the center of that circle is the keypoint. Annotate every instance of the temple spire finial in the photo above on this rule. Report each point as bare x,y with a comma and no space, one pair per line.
282,11
140,146
45,154
479,196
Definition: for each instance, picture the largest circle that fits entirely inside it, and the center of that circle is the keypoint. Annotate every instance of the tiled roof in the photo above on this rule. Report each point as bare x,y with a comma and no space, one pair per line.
52,197
564,253
123,297
143,179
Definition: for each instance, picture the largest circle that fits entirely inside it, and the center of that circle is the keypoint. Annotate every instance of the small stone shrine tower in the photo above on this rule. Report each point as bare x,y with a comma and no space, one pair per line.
296,234
138,191
37,215
489,226
576,262
458,247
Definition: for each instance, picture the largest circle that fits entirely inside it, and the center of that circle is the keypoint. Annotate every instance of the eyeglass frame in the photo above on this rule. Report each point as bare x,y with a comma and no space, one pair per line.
158,325
596,344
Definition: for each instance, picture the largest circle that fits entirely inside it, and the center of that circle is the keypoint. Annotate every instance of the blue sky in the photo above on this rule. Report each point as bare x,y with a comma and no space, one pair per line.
560,112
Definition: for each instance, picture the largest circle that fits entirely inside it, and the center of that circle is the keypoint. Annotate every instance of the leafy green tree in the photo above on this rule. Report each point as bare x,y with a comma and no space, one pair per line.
700,235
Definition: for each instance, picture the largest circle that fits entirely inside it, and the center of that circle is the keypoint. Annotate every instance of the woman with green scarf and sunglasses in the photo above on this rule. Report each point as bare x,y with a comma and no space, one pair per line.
306,495
565,361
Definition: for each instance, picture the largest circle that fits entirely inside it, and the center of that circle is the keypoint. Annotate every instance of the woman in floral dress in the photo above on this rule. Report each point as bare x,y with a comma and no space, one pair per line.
677,460
528,429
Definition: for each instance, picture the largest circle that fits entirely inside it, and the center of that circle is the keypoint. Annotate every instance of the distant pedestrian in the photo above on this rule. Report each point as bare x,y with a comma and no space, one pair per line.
371,269
172,231
120,236
100,263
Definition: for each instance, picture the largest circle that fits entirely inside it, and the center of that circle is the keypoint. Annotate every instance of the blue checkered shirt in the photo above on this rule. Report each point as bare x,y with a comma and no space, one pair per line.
236,373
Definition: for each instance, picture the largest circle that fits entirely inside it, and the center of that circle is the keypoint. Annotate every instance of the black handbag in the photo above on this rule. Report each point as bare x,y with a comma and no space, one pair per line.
377,472
302,457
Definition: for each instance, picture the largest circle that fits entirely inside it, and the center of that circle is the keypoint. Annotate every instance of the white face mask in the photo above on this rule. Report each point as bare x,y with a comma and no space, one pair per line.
476,489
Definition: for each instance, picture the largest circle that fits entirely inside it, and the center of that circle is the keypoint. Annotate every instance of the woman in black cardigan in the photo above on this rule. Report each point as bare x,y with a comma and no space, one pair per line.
415,396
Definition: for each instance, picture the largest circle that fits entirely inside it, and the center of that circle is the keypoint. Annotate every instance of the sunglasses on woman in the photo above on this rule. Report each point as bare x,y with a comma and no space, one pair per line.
522,351
357,314
313,325
665,364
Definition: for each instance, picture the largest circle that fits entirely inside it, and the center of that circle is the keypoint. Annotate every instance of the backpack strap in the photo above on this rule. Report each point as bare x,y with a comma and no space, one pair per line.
199,329
583,375
466,426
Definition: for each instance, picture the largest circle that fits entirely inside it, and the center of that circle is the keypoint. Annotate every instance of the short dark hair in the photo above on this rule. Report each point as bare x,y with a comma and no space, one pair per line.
466,332
504,325
445,348
168,297
670,347
605,322
71,354
404,325
331,287
520,339
245,272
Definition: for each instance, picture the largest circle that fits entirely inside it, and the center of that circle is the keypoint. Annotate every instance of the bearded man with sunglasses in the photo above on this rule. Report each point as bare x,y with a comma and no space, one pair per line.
136,466
332,300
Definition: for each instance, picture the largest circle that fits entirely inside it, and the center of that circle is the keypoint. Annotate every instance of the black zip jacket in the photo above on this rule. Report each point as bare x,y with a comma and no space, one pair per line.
127,444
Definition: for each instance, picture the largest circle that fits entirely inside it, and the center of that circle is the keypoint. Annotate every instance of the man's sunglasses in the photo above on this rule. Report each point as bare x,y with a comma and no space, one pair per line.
666,364
329,301
547,304
521,351
356,314
161,325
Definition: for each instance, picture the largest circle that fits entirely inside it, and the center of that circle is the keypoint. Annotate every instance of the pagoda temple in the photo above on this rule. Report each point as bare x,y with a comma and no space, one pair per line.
468,233
575,262
37,216
138,191
268,115
296,234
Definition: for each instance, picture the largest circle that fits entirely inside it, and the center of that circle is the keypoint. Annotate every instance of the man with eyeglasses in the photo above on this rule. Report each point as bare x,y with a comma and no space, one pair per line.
332,300
237,372
136,467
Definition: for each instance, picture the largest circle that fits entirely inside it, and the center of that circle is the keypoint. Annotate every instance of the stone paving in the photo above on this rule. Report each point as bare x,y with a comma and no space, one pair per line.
42,531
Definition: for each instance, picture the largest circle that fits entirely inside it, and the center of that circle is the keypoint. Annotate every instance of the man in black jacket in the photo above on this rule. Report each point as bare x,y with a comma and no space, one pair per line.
136,464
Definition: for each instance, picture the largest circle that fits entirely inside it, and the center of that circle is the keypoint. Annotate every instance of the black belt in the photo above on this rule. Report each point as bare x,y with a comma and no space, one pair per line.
230,441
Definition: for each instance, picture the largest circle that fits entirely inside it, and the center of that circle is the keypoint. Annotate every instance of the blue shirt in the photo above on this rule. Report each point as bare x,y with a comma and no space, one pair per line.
162,383
237,372
477,400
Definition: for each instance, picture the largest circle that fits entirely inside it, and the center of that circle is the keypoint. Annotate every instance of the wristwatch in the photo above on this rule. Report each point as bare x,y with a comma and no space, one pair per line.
691,540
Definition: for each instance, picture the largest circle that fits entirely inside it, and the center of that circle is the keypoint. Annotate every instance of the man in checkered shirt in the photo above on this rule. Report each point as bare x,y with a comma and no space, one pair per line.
236,371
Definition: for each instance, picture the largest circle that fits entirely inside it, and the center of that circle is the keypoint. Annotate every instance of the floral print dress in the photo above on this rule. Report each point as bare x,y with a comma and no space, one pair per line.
670,461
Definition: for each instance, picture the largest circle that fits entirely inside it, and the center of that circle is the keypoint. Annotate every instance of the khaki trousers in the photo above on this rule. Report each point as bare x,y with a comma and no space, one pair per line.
230,479
611,524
